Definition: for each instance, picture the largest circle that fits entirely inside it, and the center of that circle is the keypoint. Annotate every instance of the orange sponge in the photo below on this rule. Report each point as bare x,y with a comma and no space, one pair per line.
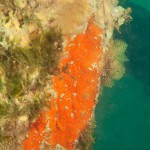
77,88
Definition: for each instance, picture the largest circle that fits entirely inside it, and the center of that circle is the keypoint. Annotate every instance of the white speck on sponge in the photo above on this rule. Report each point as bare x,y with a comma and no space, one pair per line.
62,95
90,69
72,115
74,94
66,107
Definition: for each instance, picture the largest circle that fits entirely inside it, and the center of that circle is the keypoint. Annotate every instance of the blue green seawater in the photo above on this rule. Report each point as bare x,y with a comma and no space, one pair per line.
123,111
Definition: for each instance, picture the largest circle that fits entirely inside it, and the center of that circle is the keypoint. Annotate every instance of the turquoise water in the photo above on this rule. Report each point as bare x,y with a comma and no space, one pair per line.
123,112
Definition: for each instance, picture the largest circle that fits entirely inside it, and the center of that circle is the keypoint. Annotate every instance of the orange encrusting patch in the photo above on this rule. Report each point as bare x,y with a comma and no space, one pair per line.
77,87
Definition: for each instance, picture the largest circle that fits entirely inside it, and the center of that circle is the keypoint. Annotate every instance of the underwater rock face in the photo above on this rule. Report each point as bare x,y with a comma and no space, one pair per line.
55,55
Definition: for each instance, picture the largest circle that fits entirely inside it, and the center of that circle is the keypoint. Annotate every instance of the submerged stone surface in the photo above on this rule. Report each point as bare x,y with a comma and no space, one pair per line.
55,55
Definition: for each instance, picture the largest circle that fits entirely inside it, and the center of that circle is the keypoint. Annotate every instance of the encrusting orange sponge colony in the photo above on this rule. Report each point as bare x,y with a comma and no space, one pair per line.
77,88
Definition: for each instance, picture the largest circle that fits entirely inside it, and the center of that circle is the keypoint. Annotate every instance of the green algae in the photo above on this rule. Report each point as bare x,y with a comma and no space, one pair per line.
19,63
